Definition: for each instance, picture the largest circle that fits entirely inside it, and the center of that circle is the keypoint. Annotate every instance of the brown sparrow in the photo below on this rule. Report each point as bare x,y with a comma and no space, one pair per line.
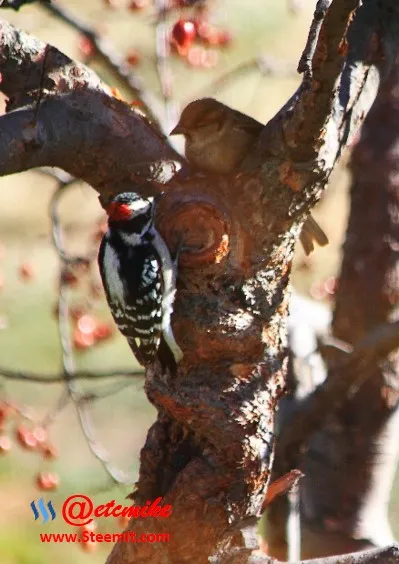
217,140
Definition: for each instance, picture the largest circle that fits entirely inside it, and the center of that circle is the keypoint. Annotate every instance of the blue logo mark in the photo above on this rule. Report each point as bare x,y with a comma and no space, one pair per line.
43,511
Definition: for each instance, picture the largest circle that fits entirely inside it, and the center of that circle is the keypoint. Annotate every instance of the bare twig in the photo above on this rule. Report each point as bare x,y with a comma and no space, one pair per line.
58,174
67,356
294,524
50,142
322,63
264,64
162,53
106,391
386,555
18,375
87,396
305,62
61,403
56,227
330,395
104,50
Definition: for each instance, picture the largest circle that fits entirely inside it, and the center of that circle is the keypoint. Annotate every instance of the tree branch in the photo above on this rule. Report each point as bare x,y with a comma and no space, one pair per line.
387,555
60,378
348,445
106,53
312,413
342,62
62,127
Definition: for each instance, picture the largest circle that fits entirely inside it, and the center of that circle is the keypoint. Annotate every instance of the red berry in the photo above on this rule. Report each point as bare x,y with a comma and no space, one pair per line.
25,438
318,291
86,324
89,527
86,46
88,546
209,58
5,444
83,340
224,37
102,332
46,481
69,278
184,32
26,272
219,38
138,5
194,56
204,29
133,58
3,322
331,285
49,452
40,434
4,413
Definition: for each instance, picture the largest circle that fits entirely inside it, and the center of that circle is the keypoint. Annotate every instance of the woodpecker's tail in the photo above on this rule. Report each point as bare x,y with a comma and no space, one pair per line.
163,354
166,357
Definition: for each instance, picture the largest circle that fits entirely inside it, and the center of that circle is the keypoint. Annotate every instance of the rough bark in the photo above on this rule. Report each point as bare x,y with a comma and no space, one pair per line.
210,451
351,423
388,555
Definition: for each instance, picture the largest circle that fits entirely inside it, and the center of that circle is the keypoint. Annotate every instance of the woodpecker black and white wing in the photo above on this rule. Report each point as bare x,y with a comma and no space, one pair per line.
132,279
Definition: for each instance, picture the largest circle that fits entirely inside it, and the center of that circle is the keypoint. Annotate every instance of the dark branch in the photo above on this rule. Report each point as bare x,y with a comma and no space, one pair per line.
331,395
62,127
60,378
17,4
386,555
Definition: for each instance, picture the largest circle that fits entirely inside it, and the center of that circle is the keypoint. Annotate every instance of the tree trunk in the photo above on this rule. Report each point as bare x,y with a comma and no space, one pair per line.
351,460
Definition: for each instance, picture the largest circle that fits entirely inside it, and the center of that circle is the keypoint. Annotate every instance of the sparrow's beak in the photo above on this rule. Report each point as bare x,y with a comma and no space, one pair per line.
179,129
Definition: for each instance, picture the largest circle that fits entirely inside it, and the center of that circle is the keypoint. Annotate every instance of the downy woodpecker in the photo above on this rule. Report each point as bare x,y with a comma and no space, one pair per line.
139,278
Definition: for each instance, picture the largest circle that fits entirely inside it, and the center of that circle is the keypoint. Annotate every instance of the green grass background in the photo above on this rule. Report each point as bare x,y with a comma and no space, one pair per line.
30,339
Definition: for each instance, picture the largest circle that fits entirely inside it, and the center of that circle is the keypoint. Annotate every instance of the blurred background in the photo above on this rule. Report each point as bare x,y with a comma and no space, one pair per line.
249,62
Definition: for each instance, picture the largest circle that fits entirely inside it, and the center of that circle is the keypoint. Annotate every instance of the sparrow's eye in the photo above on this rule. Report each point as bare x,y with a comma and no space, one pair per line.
211,118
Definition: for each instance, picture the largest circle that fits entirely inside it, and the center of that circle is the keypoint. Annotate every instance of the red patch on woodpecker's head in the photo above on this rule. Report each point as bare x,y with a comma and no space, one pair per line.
119,212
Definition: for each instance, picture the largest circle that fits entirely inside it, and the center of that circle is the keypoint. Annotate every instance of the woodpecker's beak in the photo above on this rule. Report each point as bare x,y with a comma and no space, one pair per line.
178,130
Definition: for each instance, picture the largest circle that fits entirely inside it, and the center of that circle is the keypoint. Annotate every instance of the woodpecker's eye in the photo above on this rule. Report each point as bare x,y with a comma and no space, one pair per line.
119,212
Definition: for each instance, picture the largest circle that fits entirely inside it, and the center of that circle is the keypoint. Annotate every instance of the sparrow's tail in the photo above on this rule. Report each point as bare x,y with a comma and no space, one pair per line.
312,233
